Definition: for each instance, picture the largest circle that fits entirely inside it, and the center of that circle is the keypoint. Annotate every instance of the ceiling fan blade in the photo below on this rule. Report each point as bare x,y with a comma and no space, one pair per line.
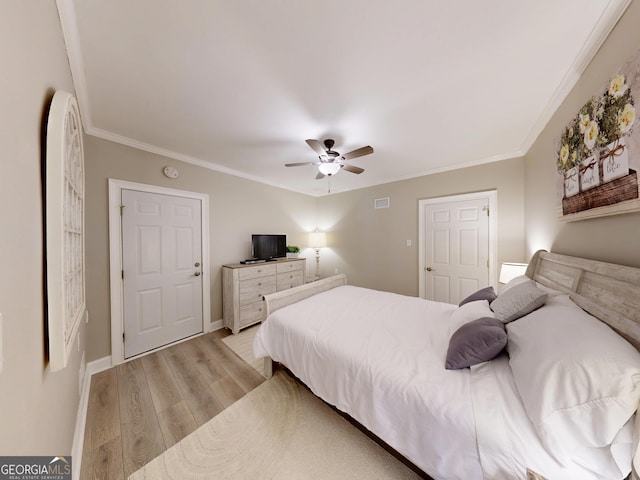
352,168
319,175
300,164
316,146
359,152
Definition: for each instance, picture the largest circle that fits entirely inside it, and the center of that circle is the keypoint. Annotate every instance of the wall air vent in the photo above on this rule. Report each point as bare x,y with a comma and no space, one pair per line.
381,202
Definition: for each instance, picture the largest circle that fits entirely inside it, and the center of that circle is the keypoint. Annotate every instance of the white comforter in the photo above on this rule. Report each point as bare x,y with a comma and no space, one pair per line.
380,358
385,368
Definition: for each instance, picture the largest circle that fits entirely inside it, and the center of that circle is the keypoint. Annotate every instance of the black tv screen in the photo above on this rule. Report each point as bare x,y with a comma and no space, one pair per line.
267,247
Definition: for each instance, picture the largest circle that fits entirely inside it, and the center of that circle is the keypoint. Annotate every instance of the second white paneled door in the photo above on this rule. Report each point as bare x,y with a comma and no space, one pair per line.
162,269
456,249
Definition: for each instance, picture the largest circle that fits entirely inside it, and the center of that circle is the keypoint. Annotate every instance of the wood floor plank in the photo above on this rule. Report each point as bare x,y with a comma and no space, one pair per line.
195,390
142,438
103,412
104,462
246,376
210,368
176,423
162,384
134,413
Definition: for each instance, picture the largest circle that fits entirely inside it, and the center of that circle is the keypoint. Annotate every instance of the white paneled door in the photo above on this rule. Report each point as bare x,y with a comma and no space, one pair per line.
456,249
162,269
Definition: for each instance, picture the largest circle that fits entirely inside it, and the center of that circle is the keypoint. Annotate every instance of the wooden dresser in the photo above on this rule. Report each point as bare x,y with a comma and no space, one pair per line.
244,285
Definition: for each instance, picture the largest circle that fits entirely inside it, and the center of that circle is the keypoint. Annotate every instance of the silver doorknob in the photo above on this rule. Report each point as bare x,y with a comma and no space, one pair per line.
197,274
197,264
428,269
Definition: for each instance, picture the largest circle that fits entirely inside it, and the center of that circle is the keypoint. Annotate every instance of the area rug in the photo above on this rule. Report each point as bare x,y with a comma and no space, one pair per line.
242,344
277,431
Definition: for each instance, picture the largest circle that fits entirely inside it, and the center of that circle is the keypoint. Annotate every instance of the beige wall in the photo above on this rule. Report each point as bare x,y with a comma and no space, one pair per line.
37,408
238,208
370,245
612,239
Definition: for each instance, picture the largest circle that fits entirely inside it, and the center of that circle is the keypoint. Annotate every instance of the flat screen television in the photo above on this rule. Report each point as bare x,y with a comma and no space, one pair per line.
268,247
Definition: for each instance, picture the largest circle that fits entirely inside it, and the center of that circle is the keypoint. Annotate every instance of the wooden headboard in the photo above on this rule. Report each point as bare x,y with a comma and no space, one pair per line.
607,291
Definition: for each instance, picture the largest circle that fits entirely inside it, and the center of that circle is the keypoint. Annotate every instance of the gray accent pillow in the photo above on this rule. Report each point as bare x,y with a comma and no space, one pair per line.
518,301
486,293
475,342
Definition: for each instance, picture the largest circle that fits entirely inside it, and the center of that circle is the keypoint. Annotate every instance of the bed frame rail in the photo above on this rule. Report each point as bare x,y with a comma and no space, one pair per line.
283,298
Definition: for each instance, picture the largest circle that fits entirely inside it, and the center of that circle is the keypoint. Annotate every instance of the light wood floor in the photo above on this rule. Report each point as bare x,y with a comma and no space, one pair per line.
139,409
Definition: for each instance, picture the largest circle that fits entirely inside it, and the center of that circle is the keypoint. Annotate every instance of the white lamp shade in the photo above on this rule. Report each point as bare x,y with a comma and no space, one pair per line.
317,240
510,270
329,168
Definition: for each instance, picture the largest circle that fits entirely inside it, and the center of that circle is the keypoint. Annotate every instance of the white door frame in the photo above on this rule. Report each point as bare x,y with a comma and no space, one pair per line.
115,254
492,196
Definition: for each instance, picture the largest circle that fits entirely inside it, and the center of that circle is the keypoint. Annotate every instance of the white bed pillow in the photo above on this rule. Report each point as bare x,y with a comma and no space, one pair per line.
468,312
578,379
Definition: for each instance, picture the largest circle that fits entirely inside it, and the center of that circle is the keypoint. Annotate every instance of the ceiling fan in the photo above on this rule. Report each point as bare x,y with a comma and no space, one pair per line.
331,162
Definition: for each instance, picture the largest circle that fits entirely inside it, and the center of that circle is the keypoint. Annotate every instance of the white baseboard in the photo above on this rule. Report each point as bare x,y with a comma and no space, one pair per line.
99,365
81,418
213,326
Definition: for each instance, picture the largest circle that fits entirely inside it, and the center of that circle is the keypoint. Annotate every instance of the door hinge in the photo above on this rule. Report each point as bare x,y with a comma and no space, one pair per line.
486,209
121,208
122,337
122,274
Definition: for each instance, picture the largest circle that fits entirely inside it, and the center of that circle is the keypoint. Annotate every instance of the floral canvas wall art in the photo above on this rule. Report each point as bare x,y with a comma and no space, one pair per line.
598,153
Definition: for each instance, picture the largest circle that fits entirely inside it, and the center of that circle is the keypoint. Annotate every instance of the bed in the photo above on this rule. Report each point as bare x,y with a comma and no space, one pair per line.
556,397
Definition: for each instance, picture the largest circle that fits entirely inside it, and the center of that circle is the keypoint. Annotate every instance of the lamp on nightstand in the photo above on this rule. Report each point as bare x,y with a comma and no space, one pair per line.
317,240
510,270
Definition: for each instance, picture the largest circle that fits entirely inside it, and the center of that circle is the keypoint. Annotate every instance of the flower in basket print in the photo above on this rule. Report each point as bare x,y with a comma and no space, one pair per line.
598,151
594,139
567,156
617,121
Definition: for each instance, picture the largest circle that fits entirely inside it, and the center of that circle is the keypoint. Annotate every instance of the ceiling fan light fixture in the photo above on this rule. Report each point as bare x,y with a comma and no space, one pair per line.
329,168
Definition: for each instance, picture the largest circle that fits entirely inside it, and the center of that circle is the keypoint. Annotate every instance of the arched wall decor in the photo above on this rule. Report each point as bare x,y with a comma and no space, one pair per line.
65,194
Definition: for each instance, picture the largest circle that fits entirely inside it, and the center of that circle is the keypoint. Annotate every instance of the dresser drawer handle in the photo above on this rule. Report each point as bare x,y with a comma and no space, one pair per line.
260,284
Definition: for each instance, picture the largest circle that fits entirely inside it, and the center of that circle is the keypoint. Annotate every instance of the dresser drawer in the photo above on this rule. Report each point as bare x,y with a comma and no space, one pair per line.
290,279
256,272
252,313
289,267
253,290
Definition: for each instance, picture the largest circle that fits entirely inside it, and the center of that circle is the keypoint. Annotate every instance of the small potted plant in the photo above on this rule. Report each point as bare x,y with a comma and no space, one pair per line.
293,251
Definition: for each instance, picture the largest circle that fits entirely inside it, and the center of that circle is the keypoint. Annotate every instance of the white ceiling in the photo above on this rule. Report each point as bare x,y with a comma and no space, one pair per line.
238,86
